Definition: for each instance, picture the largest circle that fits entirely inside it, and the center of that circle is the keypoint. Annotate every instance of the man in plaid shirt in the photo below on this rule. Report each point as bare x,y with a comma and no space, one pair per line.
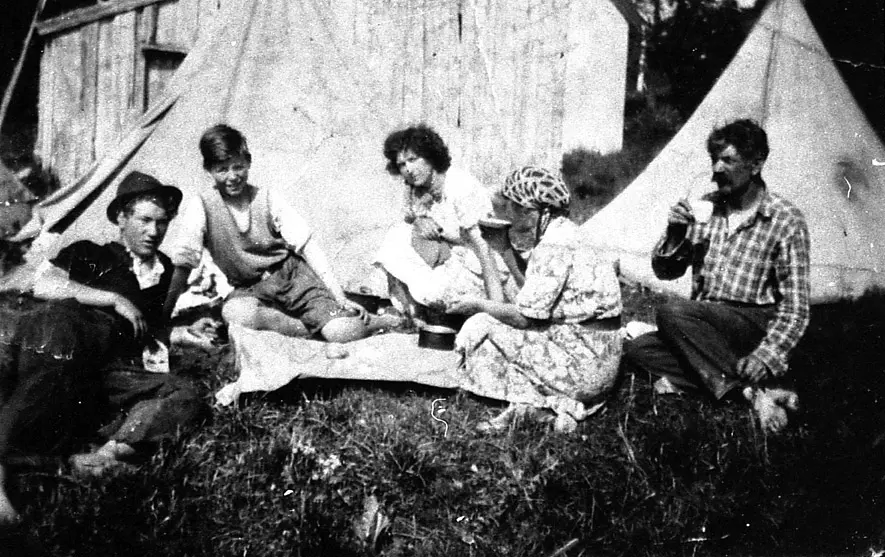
750,292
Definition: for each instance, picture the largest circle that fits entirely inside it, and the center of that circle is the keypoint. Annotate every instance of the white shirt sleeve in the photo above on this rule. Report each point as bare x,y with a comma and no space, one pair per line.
186,248
291,225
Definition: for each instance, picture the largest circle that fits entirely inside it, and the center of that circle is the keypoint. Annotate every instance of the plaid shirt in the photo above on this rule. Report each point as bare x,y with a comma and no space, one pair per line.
765,262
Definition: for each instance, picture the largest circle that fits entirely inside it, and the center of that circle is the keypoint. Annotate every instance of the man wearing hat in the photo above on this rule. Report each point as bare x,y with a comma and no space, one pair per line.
76,360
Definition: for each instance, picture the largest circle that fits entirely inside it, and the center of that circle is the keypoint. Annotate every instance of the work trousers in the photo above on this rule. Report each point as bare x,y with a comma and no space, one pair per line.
698,344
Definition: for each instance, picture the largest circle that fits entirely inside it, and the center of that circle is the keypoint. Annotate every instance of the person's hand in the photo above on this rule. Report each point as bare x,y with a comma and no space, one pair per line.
497,238
191,337
680,214
427,228
465,306
751,368
356,309
130,313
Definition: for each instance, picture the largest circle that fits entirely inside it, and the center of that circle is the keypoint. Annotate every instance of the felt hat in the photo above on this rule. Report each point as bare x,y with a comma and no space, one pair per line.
137,183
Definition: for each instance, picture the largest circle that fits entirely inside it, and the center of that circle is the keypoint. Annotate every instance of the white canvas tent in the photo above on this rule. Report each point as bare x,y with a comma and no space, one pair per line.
823,158
259,72
316,86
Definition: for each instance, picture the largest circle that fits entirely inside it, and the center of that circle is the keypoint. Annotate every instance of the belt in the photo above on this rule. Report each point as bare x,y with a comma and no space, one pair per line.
609,324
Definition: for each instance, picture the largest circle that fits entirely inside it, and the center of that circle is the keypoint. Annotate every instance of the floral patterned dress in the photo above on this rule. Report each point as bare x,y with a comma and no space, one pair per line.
564,363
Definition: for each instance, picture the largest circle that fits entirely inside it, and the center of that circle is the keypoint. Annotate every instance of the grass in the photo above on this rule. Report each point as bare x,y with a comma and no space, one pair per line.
289,473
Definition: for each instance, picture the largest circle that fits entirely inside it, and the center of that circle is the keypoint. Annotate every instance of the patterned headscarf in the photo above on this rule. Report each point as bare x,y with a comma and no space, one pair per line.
537,188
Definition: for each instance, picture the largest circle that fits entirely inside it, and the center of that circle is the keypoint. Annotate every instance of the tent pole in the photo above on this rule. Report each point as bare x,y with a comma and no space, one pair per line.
769,66
10,87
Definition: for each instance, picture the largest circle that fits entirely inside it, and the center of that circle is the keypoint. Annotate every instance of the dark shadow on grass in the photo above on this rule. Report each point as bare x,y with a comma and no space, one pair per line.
300,389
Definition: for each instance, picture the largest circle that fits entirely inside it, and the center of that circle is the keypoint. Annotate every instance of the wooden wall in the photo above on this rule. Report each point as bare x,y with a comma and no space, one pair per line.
506,83
96,79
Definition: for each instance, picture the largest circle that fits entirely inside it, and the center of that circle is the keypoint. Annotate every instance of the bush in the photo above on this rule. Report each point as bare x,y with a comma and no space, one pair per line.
595,178
649,124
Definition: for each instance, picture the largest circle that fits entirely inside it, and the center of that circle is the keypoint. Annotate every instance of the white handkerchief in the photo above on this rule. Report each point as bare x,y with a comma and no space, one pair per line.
156,359
147,271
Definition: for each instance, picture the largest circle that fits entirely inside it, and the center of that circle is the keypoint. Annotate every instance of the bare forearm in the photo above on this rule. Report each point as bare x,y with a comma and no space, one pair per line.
506,313
670,258
53,287
317,260
176,289
490,275
516,270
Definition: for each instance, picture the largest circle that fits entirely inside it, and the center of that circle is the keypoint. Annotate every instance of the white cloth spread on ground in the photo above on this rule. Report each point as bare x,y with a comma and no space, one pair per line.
267,361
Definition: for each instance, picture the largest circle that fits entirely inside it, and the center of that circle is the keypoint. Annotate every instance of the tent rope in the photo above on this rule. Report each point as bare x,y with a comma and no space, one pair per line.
487,68
243,39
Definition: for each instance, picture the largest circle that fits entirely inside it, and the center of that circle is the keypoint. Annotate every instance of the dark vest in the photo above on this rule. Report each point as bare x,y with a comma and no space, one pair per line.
242,256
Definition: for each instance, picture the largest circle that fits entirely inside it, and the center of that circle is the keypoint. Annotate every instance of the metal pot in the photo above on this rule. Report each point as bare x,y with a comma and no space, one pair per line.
437,337
437,317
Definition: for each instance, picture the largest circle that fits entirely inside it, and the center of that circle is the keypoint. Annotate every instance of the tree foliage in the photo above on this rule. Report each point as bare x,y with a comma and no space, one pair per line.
691,42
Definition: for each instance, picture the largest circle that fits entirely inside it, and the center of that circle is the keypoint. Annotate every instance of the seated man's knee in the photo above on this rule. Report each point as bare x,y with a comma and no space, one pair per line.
637,350
343,329
240,311
674,312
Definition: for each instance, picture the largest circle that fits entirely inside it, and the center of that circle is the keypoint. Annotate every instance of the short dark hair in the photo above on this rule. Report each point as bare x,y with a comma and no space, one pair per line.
167,203
221,143
421,140
747,137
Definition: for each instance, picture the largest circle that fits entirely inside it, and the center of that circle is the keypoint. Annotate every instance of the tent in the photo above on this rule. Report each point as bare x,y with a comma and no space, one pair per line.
824,158
255,72
316,87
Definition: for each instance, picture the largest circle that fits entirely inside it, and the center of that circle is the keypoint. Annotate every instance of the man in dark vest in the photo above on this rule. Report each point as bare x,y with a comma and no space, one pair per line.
80,354
283,281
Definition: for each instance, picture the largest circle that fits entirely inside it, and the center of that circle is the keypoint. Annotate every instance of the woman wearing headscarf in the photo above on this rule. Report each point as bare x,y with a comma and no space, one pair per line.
558,345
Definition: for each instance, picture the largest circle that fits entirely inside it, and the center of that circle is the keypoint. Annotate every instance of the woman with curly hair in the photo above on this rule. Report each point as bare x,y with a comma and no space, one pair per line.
438,251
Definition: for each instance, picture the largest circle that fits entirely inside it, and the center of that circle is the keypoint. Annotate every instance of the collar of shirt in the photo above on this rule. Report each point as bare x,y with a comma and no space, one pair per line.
147,271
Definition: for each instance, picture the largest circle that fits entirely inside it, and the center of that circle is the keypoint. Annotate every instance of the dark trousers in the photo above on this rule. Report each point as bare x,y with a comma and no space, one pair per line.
698,344
50,364
60,380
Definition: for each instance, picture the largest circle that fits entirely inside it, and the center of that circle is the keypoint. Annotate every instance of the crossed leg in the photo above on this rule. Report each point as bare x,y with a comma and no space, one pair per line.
697,345
251,313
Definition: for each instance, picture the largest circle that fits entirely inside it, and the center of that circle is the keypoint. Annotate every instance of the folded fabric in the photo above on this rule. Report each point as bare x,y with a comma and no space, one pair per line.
267,361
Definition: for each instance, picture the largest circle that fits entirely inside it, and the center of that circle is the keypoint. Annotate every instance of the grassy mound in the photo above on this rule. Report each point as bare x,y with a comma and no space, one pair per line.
290,473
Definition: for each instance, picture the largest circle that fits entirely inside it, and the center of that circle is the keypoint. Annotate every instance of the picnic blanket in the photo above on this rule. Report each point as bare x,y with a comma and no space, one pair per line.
267,361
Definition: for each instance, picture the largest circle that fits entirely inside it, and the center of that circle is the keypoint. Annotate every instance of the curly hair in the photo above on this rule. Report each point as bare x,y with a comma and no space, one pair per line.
221,143
421,140
747,137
